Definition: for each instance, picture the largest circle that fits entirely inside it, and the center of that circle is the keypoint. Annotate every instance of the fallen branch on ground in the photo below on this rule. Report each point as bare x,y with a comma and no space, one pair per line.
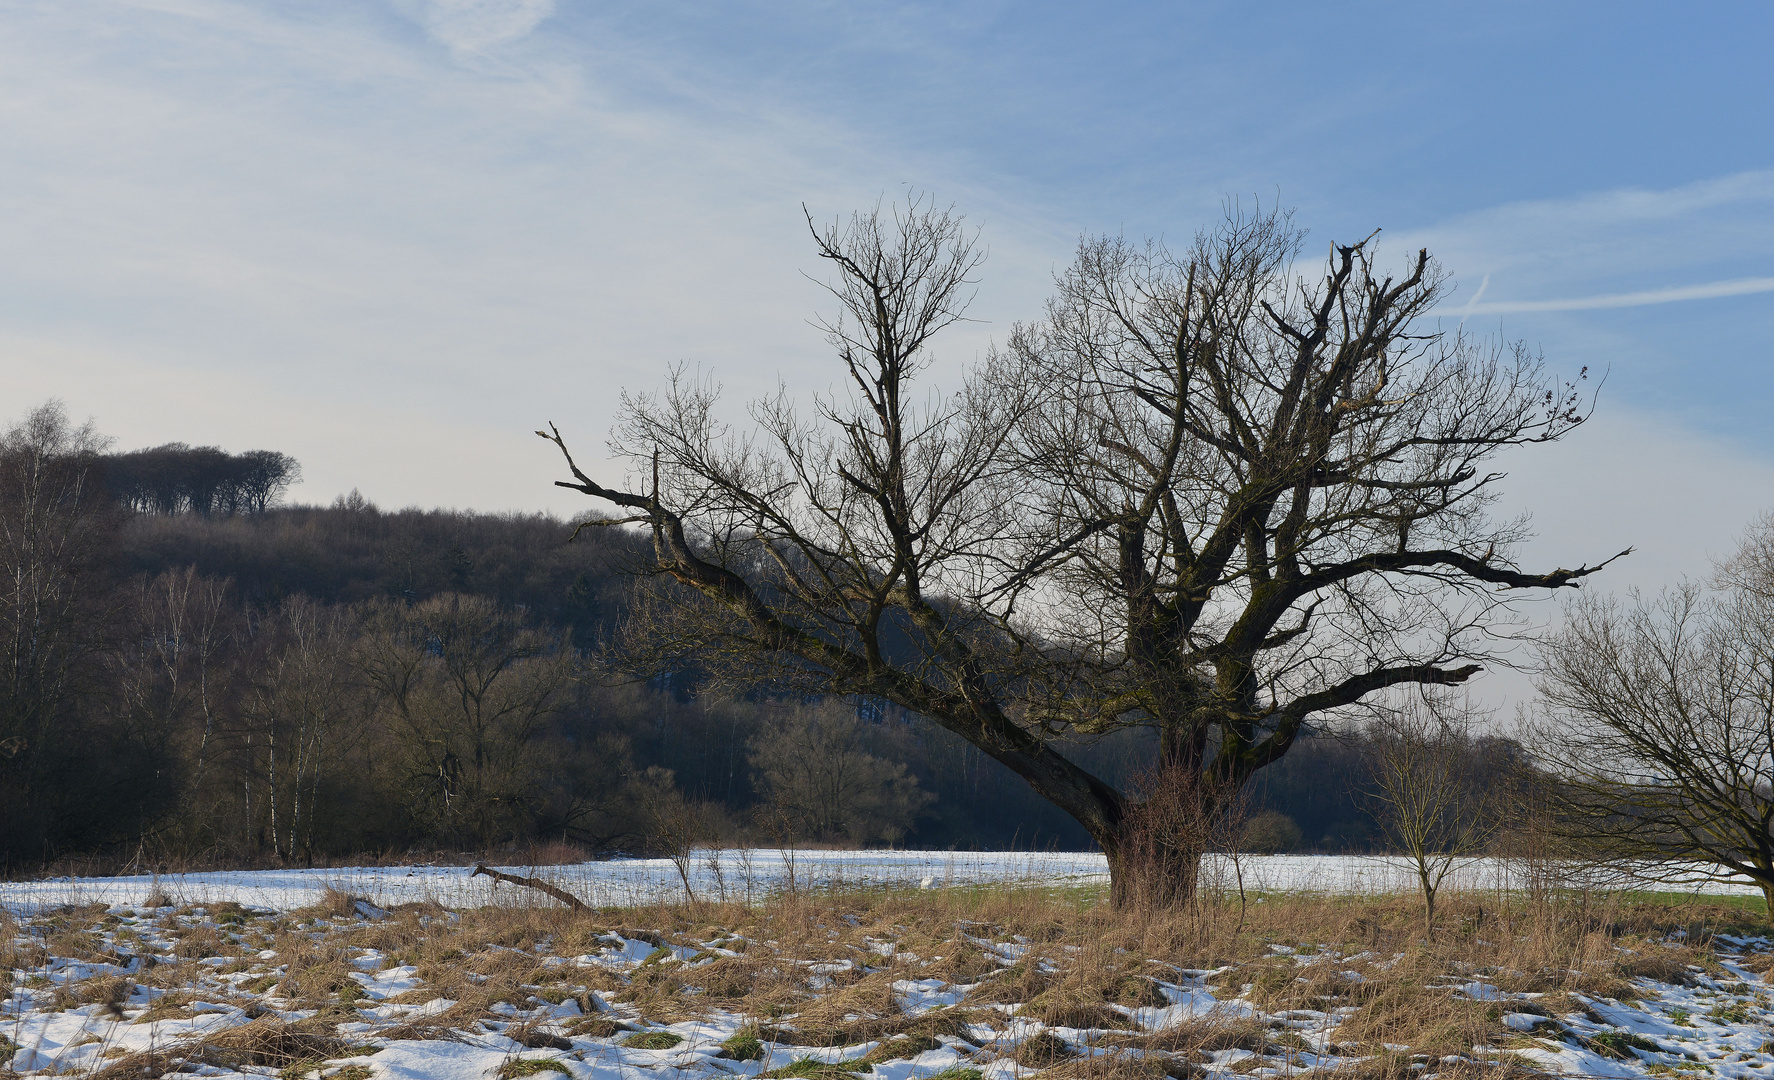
555,891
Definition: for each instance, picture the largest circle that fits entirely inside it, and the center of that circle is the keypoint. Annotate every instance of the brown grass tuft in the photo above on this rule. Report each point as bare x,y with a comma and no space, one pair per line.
1041,1050
1017,983
1073,1006
263,1043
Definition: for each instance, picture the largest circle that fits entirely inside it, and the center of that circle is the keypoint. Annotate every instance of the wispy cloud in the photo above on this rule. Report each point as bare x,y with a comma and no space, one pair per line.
1472,304
1560,274
475,25
230,198
1606,244
1709,291
219,195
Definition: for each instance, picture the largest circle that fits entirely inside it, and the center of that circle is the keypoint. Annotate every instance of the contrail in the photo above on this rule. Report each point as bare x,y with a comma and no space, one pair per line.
1476,297
1708,291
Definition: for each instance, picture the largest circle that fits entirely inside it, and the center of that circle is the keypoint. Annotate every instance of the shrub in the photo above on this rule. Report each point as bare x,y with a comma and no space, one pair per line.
1271,832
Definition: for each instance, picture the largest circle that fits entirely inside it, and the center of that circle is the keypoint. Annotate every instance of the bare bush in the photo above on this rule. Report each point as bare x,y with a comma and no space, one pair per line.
674,823
1658,721
1425,796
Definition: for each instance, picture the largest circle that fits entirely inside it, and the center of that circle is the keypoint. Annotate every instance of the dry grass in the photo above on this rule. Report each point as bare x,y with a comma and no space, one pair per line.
819,972
264,1043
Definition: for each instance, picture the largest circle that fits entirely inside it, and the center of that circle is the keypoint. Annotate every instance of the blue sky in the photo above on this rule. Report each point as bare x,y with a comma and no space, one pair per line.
392,239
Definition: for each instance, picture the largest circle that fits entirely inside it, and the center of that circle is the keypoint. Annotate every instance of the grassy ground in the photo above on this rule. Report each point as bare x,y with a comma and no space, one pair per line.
955,983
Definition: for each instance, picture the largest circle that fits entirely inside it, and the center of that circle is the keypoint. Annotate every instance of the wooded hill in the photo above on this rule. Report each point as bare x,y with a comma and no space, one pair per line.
232,680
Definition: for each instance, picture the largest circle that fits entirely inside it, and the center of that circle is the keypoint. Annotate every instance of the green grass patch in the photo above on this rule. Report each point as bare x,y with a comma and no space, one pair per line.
743,1045
814,1069
1620,1044
908,1046
1042,1049
652,1040
530,1067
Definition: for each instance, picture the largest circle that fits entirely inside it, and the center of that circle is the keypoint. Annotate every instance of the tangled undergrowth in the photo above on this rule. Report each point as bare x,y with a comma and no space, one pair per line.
927,985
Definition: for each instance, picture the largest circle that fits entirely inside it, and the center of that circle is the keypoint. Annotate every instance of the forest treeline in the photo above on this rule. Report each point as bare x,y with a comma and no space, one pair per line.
212,676
203,480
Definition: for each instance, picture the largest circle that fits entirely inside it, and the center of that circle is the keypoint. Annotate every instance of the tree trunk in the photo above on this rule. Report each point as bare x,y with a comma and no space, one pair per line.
1155,856
1153,878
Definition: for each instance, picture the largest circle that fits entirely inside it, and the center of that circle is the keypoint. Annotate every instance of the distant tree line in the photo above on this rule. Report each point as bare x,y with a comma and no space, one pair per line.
306,682
202,480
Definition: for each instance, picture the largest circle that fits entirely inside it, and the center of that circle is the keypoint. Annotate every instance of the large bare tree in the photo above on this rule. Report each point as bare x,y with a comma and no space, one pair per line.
1202,495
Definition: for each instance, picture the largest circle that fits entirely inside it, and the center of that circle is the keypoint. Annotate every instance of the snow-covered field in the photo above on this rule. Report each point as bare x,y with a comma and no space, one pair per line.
358,993
748,875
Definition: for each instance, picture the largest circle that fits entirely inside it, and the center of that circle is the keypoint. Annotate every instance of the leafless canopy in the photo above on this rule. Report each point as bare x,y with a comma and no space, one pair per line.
1432,805
1201,494
1658,718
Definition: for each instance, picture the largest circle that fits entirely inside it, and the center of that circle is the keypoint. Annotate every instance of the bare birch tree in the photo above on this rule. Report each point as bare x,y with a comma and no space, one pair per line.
172,672
299,717
1202,495
56,616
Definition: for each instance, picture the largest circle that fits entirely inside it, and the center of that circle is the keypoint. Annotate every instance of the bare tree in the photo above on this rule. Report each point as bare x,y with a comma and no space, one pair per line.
1425,795
1170,818
1657,718
57,611
303,716
1199,496
262,477
173,671
674,824
467,686
814,765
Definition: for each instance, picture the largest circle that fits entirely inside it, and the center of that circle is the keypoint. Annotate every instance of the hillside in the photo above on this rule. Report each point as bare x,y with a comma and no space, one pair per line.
225,680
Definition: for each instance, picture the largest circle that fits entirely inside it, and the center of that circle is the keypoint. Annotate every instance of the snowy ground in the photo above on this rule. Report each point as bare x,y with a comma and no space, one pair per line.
748,875
130,991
